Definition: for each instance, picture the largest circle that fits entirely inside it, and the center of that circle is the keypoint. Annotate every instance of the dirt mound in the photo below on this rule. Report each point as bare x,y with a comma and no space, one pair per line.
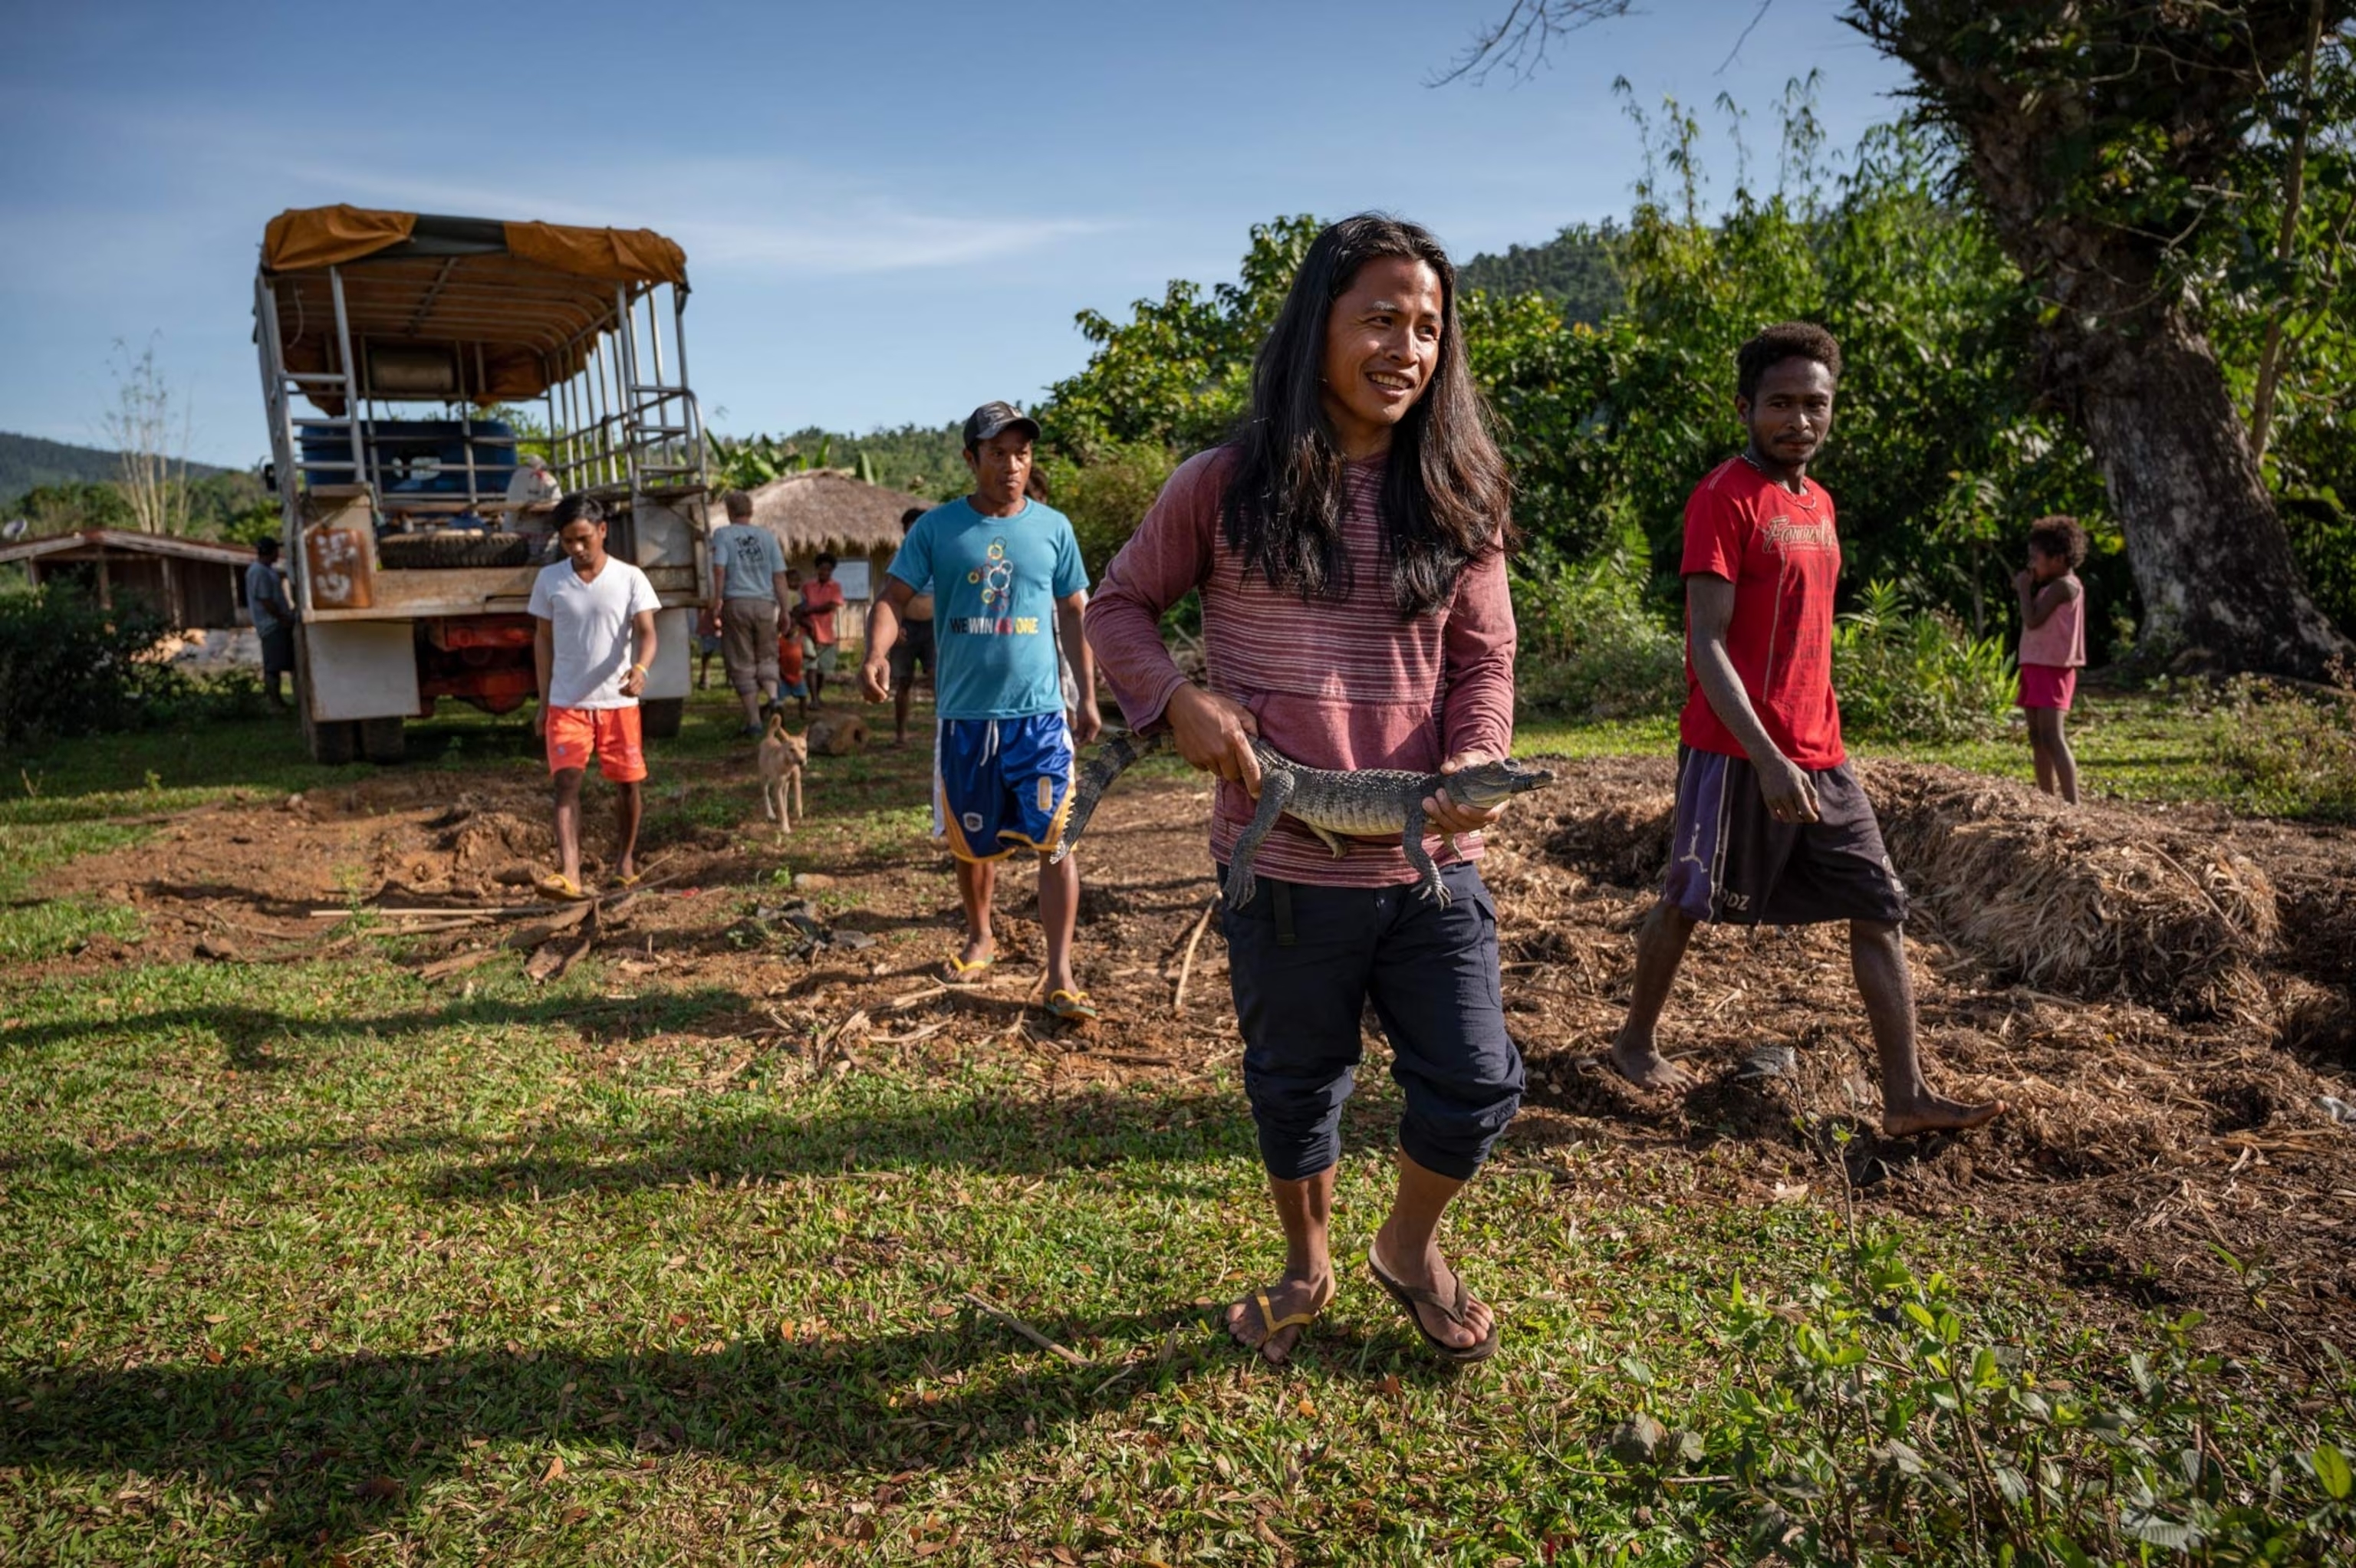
2090,900
480,838
1608,819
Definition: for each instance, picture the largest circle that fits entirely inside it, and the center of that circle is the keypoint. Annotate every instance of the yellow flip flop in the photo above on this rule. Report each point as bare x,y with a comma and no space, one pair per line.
1071,1006
1272,1325
557,885
956,971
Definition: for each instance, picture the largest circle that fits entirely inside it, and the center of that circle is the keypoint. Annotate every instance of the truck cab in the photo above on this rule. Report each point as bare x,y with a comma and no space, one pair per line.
433,384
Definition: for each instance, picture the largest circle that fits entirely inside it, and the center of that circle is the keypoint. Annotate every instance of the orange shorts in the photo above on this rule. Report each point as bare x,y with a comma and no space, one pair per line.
611,733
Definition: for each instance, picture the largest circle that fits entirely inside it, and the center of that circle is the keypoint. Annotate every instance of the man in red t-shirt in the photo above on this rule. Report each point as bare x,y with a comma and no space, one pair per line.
822,598
1771,827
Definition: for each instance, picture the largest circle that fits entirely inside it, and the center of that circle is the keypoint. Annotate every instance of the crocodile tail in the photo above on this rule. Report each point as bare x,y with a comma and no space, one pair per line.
1113,760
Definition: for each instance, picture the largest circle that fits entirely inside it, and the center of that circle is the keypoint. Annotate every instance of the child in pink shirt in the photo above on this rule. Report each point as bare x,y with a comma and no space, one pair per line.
2052,647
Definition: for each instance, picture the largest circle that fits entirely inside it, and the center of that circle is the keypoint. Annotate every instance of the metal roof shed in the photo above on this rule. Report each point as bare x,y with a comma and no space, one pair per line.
192,582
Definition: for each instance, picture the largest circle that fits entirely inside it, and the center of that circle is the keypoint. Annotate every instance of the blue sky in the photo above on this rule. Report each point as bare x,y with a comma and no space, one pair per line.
891,211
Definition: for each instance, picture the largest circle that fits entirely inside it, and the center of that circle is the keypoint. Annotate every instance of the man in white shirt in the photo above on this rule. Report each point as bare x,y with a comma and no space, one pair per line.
591,608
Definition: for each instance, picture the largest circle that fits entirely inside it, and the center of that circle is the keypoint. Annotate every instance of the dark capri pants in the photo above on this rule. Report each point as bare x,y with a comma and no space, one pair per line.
1304,960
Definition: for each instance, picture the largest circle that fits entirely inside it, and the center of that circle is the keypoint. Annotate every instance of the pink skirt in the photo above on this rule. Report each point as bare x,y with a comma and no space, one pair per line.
2048,686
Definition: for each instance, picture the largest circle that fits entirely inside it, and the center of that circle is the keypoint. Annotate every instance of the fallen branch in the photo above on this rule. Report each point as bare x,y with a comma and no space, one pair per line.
913,1036
989,1309
458,963
560,952
1178,1000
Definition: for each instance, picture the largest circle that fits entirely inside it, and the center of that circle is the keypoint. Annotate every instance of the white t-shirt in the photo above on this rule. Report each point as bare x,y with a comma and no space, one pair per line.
592,630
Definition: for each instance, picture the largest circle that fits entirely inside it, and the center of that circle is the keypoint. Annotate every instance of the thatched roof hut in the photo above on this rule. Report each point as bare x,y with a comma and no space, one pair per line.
824,510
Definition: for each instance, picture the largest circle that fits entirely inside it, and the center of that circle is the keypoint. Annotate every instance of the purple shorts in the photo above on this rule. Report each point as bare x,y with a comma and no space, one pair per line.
1730,861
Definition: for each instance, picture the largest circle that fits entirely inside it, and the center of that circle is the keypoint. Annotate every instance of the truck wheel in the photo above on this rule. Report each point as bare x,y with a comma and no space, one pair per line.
659,717
450,549
382,740
331,742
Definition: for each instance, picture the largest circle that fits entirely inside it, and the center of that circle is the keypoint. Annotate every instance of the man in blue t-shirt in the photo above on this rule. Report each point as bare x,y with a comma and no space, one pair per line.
1007,586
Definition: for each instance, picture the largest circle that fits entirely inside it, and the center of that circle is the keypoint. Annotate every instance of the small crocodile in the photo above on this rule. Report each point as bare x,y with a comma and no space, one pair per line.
1370,802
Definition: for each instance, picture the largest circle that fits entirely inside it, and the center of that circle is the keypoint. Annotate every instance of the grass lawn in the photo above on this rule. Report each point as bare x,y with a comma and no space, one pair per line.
317,1263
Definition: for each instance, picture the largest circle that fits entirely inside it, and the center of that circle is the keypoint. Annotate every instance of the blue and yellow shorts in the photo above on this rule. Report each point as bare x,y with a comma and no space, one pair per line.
1002,785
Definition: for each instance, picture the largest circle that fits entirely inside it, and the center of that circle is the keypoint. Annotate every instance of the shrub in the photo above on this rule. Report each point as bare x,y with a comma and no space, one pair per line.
1875,1420
1107,496
68,667
2293,748
1915,673
1588,645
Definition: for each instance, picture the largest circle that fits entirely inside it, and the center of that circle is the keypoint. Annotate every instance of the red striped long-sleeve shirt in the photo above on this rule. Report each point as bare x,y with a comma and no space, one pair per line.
1335,683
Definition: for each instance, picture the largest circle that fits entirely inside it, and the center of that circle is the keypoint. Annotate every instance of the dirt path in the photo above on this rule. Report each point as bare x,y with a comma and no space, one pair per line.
2147,1132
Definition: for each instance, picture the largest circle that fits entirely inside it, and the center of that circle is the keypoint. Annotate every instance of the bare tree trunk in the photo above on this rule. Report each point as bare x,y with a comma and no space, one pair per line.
2211,558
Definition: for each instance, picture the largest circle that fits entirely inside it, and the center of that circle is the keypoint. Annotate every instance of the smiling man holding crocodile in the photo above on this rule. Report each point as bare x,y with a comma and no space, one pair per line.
1349,546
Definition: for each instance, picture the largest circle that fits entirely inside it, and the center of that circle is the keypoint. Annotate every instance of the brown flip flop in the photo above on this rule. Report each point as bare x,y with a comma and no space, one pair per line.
1410,1296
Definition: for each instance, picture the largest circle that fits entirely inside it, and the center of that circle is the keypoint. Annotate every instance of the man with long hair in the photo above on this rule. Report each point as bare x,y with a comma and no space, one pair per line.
1349,543
1771,826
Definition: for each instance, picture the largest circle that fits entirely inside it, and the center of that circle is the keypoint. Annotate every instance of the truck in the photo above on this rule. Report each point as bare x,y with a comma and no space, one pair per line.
432,383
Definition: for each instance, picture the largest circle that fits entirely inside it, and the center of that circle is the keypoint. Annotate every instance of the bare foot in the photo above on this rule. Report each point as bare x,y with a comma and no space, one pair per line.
1430,1272
1647,1068
1937,1114
1287,1297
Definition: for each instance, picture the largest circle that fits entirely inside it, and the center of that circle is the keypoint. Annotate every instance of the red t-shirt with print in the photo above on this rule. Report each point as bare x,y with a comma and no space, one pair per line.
1779,548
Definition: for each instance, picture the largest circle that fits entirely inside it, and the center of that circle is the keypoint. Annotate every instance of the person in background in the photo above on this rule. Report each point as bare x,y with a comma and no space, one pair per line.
589,610
2052,647
274,616
1773,827
748,583
1011,586
707,646
1349,543
821,602
915,648
789,656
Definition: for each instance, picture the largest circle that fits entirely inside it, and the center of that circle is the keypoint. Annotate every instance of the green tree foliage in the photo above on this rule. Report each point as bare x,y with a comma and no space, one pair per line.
2110,146
921,460
1575,272
70,506
1177,373
221,504
1105,497
2278,287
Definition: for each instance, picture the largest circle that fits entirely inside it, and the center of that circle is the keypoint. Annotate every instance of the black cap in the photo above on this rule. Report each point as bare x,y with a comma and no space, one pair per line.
991,418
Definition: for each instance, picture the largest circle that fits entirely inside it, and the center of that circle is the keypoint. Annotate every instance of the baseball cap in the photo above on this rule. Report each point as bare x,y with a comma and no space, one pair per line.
991,418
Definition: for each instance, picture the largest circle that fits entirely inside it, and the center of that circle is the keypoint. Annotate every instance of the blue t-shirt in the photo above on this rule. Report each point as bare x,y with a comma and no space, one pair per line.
751,556
995,582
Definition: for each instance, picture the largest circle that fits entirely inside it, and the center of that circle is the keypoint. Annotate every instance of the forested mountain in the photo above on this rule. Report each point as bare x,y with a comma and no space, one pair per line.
26,461
1574,268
